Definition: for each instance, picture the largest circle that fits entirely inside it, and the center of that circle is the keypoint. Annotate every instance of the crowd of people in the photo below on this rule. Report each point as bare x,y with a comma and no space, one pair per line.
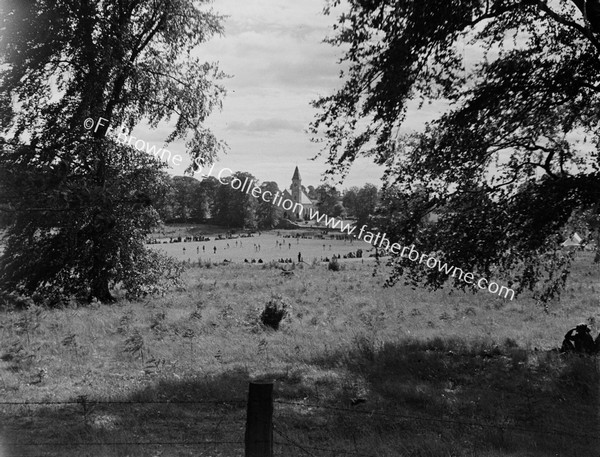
230,240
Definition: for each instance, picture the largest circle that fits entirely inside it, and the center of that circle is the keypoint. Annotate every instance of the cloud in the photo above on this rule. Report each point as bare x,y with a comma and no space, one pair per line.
273,17
276,44
275,53
265,125
316,72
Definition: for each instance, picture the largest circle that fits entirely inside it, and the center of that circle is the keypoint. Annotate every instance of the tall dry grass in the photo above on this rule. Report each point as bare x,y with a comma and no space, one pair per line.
357,367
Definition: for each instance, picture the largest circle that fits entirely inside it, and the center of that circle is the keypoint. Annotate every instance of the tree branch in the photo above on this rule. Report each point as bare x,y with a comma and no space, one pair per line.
585,32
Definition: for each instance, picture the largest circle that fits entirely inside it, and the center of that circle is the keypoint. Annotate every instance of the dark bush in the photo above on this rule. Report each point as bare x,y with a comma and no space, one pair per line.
334,265
275,311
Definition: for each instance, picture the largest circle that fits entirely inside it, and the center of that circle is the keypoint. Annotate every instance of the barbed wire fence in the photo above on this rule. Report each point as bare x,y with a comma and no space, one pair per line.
212,427
254,427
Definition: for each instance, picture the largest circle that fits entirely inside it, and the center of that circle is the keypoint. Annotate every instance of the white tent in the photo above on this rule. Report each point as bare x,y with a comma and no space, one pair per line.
574,241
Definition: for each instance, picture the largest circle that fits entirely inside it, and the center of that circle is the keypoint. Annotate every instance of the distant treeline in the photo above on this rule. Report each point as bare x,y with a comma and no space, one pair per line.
185,199
188,200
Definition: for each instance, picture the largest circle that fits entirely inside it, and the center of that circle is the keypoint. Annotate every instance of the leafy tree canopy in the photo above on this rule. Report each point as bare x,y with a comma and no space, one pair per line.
63,62
516,152
329,200
268,215
124,60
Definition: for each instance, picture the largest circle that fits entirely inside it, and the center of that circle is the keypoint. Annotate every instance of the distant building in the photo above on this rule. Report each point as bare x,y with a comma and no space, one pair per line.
297,194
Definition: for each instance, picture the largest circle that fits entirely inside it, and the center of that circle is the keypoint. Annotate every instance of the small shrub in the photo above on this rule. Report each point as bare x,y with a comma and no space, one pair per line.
125,322
275,311
510,343
134,345
19,358
157,322
334,265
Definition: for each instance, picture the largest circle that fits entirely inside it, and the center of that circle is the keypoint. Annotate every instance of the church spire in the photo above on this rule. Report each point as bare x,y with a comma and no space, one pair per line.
296,174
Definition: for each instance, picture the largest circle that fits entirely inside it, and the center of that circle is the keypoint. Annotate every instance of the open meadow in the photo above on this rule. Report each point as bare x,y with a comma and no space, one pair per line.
268,246
358,369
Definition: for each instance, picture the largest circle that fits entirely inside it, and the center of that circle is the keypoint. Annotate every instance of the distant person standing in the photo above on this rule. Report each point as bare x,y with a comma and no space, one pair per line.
197,249
203,248
299,257
215,249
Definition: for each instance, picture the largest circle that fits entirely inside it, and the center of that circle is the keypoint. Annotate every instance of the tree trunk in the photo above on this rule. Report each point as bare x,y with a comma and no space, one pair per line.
590,9
100,267
101,291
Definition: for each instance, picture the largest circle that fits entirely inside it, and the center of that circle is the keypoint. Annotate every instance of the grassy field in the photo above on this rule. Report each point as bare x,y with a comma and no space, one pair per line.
272,247
358,369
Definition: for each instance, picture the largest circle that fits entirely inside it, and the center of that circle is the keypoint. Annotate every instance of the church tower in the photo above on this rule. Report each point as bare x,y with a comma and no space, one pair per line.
296,187
297,204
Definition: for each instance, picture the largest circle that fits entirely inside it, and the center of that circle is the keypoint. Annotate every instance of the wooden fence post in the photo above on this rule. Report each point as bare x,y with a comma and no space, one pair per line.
259,421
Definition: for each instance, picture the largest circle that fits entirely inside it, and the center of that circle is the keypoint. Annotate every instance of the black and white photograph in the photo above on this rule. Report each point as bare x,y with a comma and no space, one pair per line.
315,228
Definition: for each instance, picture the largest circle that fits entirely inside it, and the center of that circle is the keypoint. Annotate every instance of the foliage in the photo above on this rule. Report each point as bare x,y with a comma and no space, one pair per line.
52,250
234,207
82,204
361,203
586,222
367,199
329,200
154,273
350,200
190,200
268,215
275,311
333,265
516,152
186,201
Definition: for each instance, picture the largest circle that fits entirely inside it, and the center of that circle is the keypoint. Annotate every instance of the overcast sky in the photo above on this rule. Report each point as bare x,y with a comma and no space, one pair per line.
274,52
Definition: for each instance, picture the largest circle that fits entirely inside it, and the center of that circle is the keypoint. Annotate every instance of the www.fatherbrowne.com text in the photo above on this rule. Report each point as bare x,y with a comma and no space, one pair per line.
378,240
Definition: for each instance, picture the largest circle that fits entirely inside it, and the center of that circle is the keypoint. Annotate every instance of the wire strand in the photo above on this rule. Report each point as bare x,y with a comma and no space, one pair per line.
117,402
125,443
446,421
